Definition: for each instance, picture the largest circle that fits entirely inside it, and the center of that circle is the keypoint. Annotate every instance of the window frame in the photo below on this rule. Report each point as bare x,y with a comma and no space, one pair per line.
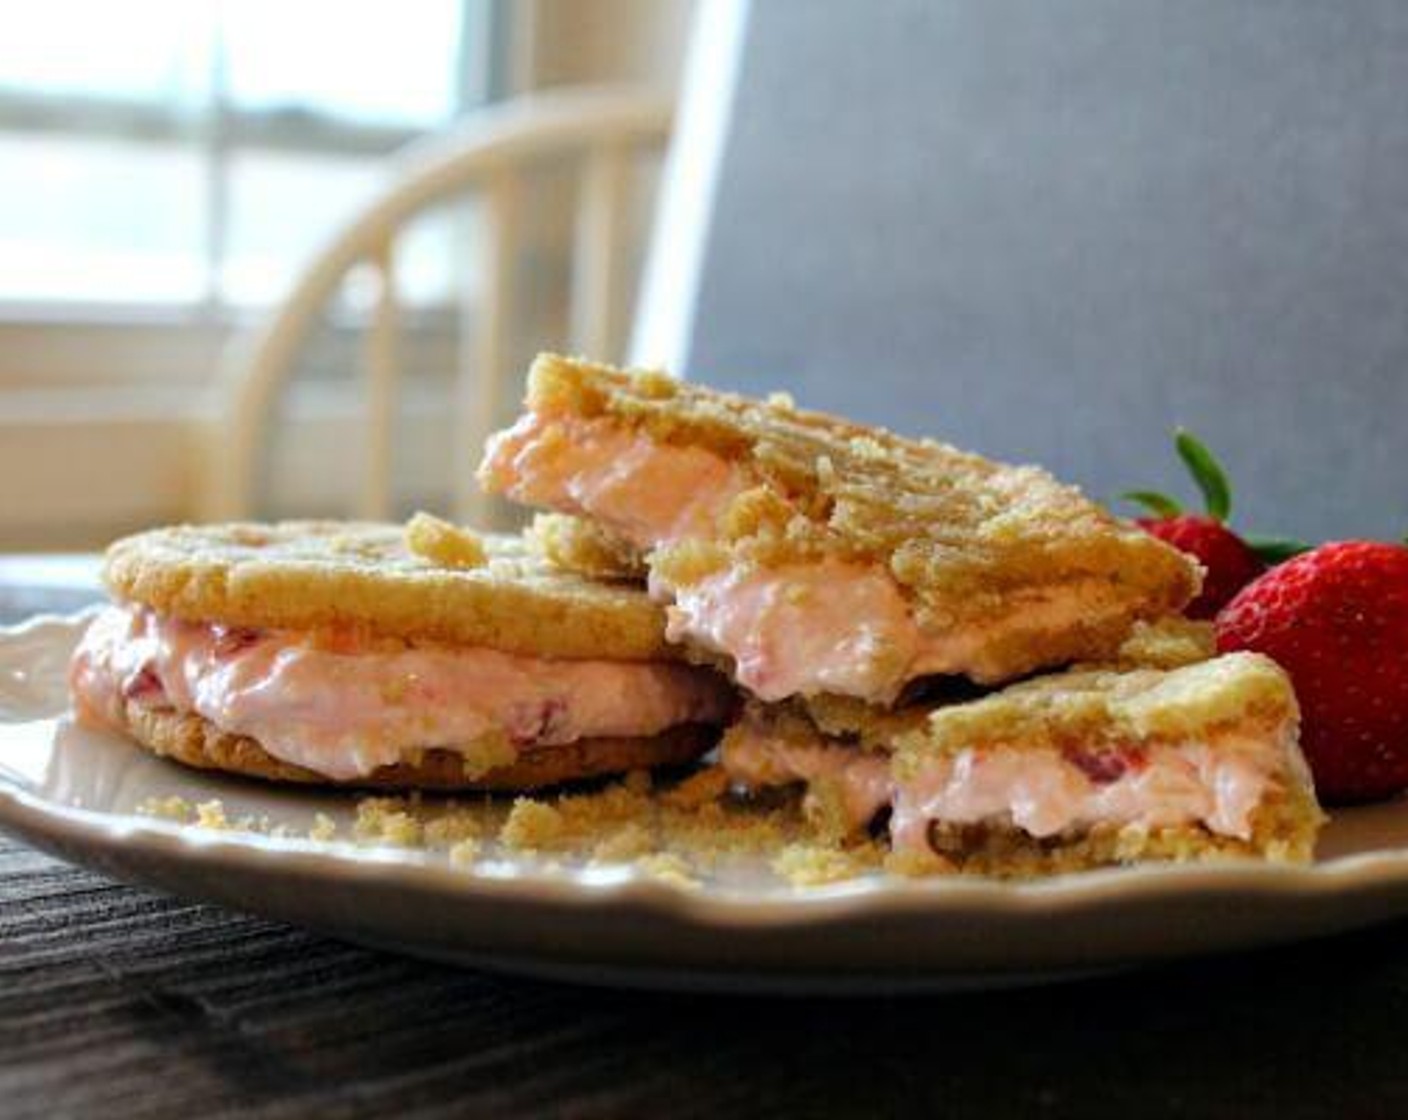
220,129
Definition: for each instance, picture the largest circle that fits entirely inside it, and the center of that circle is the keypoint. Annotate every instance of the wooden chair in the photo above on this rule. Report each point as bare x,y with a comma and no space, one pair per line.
600,133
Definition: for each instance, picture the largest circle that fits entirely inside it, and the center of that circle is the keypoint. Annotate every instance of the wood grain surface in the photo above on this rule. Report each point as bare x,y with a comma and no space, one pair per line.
116,1002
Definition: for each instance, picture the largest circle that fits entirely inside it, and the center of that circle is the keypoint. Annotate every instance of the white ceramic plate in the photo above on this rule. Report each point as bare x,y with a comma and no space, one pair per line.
75,793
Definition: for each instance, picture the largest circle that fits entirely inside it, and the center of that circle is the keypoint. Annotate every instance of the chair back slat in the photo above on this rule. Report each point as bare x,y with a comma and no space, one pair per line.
483,366
381,371
598,272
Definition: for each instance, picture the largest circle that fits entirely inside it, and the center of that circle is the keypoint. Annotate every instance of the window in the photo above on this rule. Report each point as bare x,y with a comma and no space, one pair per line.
193,153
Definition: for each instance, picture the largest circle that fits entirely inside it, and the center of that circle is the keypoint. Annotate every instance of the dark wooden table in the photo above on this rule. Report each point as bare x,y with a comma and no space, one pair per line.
117,1002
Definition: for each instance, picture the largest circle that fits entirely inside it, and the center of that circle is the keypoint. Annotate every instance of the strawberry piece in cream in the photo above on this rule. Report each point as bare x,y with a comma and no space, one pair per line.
344,707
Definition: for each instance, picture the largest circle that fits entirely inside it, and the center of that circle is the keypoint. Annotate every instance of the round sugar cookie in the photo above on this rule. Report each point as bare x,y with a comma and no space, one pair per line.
307,575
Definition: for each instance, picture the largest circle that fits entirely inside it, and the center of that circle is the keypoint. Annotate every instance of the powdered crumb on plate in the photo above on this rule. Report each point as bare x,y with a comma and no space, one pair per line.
668,868
811,864
451,828
679,832
629,842
464,852
532,826
211,814
168,808
387,819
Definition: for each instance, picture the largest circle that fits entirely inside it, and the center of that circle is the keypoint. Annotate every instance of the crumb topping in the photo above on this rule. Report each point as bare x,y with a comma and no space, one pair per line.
576,545
440,542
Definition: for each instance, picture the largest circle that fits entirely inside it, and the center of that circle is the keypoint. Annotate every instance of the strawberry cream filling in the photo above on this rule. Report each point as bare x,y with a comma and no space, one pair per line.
344,706
650,493
838,627
804,628
1044,792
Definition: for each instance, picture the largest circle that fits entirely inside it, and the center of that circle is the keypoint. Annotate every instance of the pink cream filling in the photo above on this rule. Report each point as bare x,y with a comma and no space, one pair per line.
1043,792
650,493
829,626
346,708
833,626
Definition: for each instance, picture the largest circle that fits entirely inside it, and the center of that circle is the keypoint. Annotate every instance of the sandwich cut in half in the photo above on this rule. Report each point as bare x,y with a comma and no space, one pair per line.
808,555
1103,765
382,656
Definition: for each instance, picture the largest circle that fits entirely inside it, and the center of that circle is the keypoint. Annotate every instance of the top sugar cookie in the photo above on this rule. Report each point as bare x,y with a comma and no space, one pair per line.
304,575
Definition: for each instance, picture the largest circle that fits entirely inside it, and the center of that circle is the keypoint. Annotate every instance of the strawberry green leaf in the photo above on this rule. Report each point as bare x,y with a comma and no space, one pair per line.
1159,504
1276,550
1207,473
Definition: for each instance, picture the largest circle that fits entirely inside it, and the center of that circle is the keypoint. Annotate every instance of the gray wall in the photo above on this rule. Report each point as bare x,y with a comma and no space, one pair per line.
1051,230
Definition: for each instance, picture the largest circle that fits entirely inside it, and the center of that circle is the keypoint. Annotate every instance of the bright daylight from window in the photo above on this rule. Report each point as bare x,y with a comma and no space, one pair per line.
195,152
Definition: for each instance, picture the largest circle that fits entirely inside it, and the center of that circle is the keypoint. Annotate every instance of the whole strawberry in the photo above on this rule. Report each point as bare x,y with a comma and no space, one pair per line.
1230,562
1336,619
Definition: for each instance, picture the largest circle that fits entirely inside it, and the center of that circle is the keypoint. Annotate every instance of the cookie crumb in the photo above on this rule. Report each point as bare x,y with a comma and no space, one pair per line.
631,841
450,829
171,808
532,825
464,852
437,540
655,384
211,814
813,865
386,820
584,547
668,868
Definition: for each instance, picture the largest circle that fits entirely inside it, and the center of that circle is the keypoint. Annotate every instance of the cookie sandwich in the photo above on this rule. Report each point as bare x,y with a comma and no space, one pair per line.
1156,756
808,555
416,657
